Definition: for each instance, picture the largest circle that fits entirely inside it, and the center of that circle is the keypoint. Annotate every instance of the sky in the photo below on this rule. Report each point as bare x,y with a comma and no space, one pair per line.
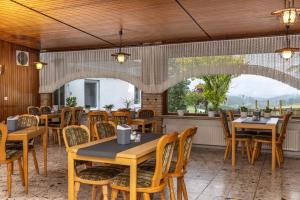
256,86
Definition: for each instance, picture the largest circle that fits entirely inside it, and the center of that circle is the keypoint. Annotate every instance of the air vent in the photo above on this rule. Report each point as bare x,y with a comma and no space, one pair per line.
22,58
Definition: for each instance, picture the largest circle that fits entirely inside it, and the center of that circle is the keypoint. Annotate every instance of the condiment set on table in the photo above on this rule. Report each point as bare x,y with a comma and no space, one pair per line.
125,134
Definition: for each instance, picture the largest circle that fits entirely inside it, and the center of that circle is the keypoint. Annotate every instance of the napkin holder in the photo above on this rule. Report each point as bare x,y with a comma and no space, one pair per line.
123,134
12,123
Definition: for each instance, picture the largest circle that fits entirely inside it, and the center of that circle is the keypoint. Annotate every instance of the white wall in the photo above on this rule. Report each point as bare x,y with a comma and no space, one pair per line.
75,88
112,91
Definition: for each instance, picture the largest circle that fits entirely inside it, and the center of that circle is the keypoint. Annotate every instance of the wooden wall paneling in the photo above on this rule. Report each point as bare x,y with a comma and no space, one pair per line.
19,84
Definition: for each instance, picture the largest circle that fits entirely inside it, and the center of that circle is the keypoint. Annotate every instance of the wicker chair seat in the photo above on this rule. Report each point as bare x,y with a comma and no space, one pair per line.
144,178
99,173
11,153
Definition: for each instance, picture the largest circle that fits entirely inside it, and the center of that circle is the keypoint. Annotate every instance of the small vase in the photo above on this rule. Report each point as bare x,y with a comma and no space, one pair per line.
244,114
211,113
180,113
267,114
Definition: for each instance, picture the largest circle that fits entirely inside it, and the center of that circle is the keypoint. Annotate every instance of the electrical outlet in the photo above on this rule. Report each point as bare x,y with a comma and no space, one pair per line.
5,98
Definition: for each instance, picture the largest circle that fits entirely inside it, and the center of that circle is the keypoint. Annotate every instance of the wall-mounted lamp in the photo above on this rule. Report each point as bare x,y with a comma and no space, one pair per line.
2,69
39,65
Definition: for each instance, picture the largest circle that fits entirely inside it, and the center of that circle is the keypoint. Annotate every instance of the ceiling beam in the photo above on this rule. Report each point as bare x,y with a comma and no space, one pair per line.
194,20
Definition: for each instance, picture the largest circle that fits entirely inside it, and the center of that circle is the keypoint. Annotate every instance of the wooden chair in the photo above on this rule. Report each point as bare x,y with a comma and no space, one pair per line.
8,157
76,115
65,120
146,114
149,182
45,110
121,118
96,116
179,168
32,110
266,138
26,121
105,129
241,137
97,175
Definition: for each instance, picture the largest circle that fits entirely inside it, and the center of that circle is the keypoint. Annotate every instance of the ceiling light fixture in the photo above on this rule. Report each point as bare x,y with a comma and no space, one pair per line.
287,52
288,15
39,65
120,56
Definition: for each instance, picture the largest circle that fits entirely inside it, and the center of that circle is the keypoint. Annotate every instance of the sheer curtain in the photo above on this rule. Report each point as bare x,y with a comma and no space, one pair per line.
154,69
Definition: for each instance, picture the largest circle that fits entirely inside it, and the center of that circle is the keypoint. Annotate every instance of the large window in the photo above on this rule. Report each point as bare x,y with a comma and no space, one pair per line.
197,95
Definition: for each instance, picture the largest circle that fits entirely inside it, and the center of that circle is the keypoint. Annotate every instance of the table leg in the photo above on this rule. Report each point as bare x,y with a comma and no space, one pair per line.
233,156
273,148
25,163
47,130
71,194
133,178
45,143
143,128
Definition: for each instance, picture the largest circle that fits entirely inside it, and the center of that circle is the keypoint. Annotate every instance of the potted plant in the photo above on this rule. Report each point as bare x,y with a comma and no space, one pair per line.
267,112
71,101
128,102
180,112
108,107
211,111
244,111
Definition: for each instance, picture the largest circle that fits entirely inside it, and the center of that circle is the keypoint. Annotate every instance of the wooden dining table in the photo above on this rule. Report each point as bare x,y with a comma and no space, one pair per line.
130,157
46,117
143,123
247,123
24,135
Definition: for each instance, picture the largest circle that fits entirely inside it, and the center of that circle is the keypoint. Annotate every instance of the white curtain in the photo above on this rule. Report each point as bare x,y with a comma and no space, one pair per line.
154,69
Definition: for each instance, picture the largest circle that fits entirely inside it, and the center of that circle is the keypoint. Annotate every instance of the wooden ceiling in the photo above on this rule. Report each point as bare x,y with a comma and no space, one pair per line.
73,24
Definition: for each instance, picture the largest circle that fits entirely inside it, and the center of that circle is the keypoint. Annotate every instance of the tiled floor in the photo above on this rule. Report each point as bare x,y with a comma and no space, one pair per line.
208,178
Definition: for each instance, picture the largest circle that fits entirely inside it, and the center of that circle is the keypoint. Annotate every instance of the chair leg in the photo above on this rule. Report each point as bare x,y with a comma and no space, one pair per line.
162,195
114,194
184,191
254,152
59,138
171,188
281,153
277,157
243,148
146,196
77,187
227,150
21,171
105,192
248,151
94,192
9,173
125,195
179,189
36,165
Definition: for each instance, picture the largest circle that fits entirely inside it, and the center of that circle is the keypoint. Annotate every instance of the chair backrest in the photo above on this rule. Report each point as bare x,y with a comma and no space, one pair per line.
284,124
66,115
124,110
164,154
224,122
26,121
121,117
75,135
185,141
96,116
45,110
105,129
145,113
230,115
32,110
3,138
76,114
